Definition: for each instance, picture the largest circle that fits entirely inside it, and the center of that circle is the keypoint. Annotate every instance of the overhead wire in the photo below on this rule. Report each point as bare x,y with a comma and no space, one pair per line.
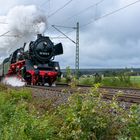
43,6
9,35
84,10
63,26
98,18
115,11
95,4
108,14
57,37
64,33
12,36
45,2
62,36
60,8
4,33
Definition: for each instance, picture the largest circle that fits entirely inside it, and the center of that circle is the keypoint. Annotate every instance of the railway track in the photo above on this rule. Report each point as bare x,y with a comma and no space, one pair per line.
64,91
123,94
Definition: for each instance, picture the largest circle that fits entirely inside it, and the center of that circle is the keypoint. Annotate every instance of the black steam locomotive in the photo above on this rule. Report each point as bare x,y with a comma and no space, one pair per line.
35,65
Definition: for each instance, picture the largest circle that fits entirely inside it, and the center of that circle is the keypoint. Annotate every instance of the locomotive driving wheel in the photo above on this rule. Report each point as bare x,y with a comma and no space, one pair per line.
50,83
28,78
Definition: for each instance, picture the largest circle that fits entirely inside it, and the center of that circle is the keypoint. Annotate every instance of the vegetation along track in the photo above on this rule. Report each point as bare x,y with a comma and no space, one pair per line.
61,92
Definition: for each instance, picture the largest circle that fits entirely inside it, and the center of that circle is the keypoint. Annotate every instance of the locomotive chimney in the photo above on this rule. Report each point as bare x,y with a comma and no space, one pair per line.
39,36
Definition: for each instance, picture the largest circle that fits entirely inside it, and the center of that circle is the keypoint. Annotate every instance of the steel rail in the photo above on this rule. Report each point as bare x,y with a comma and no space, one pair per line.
107,92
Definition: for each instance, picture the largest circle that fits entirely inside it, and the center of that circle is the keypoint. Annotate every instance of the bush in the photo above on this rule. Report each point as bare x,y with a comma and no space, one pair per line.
84,117
88,117
68,75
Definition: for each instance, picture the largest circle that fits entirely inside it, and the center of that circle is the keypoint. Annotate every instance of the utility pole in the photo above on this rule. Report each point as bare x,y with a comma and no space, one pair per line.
75,42
77,50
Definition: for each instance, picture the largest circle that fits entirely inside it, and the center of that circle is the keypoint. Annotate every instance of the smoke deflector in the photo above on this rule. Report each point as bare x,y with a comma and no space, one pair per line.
58,49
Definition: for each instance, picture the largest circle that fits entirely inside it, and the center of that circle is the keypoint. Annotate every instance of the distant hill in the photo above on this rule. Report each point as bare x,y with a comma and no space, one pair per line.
104,71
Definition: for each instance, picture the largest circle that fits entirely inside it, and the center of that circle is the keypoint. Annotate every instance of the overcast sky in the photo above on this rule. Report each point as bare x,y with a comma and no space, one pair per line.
110,42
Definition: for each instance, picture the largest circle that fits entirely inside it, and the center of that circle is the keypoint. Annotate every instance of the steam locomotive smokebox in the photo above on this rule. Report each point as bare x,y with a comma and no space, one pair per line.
58,49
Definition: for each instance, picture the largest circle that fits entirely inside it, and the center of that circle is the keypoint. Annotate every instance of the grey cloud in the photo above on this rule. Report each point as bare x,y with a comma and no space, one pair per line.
113,41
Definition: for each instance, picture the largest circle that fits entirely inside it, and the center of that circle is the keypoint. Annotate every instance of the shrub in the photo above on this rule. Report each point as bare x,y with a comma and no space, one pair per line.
68,75
88,117
134,125
124,77
84,117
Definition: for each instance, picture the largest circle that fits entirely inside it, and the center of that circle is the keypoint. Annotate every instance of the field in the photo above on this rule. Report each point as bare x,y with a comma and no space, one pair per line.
122,78
132,81
135,79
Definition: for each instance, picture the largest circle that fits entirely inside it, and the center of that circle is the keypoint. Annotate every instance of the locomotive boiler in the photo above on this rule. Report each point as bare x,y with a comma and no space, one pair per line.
36,65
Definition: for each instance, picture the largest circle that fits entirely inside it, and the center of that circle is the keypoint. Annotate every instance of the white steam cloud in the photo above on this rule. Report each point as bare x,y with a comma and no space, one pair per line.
25,20
13,81
22,25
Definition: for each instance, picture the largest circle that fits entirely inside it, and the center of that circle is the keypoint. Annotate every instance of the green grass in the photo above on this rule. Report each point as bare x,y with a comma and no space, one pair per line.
114,81
86,81
135,79
83,117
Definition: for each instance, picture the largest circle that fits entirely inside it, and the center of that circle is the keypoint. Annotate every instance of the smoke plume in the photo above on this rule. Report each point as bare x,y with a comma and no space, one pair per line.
13,81
22,23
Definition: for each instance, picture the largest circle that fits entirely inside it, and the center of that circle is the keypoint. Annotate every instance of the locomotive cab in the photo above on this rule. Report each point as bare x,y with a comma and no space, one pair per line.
18,55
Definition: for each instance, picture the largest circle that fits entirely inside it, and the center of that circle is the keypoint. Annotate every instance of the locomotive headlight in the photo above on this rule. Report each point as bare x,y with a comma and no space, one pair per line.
35,66
45,43
56,68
